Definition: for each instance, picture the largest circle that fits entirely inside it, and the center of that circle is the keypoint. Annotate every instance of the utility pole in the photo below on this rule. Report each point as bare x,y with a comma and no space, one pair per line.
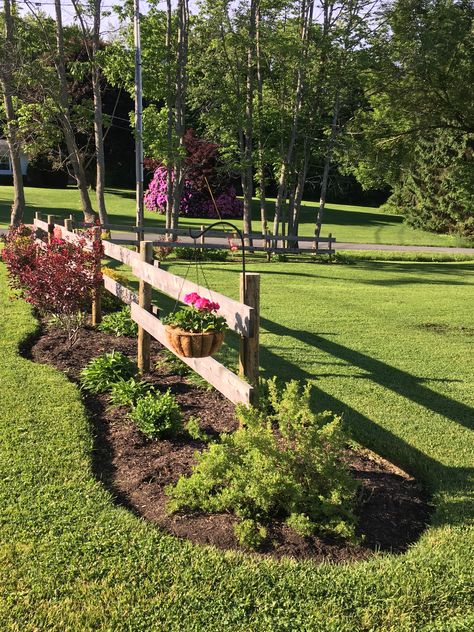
138,121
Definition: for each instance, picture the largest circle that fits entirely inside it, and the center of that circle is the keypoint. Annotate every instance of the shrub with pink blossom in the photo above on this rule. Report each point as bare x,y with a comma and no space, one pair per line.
194,203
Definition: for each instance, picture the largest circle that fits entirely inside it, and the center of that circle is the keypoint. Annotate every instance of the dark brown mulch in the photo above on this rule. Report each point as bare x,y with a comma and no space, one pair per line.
392,508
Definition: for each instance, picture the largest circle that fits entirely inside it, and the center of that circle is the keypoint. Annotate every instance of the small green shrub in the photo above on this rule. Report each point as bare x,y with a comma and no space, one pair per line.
193,254
127,392
119,323
157,415
216,255
250,534
286,464
193,429
173,364
279,257
105,370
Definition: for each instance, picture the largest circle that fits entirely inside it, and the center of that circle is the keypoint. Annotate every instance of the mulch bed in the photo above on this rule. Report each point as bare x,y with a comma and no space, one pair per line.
391,506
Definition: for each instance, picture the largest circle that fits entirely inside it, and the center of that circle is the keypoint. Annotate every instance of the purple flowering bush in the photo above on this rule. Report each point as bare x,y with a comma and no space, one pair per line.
194,203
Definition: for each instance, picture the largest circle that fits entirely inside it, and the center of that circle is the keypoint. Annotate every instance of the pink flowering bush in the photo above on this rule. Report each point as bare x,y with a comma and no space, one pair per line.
199,317
203,169
194,203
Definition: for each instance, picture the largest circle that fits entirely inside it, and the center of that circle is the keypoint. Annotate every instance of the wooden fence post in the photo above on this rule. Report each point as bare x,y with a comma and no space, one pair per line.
144,300
68,225
249,357
50,228
97,297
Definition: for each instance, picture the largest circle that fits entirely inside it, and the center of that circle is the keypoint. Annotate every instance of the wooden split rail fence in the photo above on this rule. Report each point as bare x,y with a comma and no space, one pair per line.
241,316
281,244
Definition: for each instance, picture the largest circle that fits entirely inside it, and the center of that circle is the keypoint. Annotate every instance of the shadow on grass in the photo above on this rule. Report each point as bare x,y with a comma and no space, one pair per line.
457,482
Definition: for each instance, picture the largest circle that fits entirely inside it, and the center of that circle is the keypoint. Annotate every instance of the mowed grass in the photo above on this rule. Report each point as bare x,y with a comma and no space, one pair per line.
356,224
389,345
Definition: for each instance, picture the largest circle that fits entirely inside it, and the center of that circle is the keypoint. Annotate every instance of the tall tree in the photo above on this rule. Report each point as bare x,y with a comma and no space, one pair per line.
92,46
416,105
7,58
74,155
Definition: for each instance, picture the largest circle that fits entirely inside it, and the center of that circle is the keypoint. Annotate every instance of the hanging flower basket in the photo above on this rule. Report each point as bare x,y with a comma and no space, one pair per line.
194,345
195,331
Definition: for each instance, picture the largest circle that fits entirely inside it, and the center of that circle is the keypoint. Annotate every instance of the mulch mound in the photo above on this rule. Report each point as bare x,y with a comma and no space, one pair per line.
391,507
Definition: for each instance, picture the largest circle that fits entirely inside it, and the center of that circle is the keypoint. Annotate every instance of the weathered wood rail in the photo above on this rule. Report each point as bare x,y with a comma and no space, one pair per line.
241,316
270,243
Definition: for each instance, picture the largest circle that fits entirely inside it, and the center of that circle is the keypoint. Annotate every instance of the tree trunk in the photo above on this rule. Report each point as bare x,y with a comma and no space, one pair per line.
247,180
170,117
261,157
327,166
98,120
181,80
18,206
298,195
74,155
306,19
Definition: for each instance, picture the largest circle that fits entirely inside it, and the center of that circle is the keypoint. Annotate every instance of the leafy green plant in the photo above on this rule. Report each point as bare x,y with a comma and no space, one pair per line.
285,464
105,370
193,428
157,415
127,392
250,534
119,323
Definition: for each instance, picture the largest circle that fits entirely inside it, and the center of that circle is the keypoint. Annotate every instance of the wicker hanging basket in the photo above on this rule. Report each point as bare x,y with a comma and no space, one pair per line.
194,345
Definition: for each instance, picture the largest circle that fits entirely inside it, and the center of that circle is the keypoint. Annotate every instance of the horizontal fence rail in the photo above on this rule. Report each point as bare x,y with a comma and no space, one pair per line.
240,317
270,243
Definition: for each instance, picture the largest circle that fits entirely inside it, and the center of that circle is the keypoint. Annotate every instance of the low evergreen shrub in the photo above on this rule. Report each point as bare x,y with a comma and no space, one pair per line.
286,464
158,415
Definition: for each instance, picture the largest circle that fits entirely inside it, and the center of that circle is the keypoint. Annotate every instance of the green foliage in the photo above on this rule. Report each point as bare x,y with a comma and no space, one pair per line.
193,254
288,464
119,323
415,132
105,370
193,428
158,415
127,392
250,534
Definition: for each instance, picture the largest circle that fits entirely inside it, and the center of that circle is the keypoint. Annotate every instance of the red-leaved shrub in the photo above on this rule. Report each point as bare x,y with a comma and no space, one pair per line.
58,278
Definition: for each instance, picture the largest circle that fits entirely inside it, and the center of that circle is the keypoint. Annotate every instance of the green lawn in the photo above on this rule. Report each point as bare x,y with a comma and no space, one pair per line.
387,344
347,223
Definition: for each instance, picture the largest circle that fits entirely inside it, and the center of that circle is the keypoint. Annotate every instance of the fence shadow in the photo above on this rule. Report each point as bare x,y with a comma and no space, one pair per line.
457,483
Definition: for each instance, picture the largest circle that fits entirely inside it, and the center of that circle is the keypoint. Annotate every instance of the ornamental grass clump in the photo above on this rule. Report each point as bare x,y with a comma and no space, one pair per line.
286,464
